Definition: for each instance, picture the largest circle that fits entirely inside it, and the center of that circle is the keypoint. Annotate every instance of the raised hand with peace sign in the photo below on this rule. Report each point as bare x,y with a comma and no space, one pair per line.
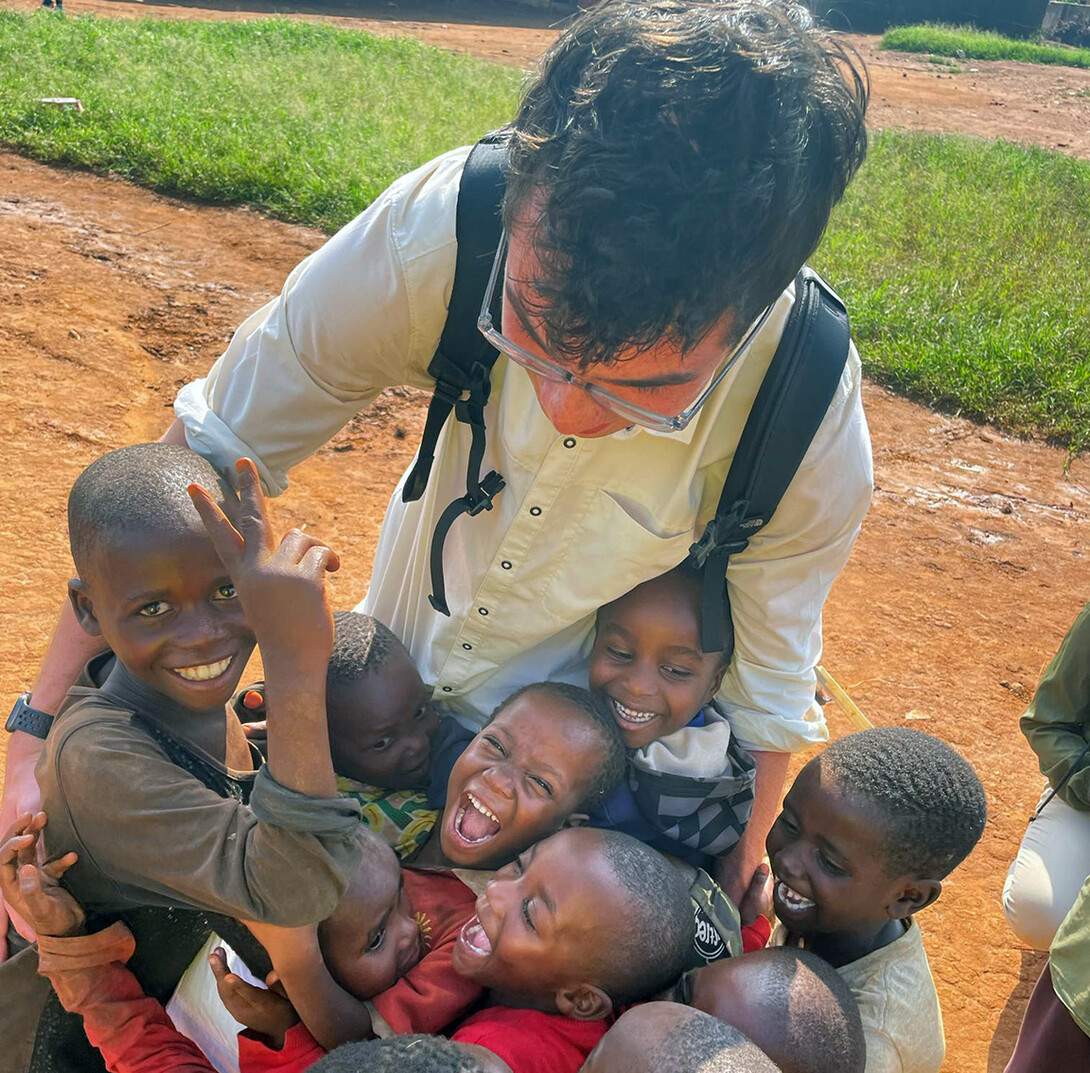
282,589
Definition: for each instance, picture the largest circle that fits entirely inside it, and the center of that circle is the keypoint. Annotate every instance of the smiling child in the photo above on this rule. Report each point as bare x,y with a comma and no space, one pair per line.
868,831
688,789
147,775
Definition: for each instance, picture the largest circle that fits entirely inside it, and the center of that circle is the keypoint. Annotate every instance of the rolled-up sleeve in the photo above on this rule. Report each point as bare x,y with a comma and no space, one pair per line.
779,584
146,824
360,314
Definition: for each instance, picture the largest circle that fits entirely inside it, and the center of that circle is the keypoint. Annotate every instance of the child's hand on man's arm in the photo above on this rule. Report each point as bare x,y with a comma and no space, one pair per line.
282,589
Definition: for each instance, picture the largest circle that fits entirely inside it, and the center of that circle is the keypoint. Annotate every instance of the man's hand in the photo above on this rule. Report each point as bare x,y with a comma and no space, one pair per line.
269,1013
34,890
282,589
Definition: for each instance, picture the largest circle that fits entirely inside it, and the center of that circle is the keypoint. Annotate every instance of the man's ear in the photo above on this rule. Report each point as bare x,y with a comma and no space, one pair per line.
584,1002
79,595
915,895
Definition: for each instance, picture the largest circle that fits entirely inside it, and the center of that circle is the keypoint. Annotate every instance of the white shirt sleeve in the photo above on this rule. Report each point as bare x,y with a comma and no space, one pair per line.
349,322
779,584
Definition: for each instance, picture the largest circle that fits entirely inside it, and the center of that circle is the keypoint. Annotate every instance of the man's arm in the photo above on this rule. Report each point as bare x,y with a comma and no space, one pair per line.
734,872
778,587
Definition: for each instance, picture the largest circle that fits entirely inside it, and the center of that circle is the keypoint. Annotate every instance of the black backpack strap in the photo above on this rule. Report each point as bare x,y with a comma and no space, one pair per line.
462,364
796,391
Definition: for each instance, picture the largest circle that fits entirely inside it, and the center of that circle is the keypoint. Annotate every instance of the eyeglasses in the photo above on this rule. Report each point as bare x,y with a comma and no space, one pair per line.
551,370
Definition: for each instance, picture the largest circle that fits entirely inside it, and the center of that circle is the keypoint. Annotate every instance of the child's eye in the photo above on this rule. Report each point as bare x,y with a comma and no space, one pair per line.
677,672
617,654
526,914
788,824
381,745
495,743
154,609
226,592
542,785
829,866
520,868
420,713
377,941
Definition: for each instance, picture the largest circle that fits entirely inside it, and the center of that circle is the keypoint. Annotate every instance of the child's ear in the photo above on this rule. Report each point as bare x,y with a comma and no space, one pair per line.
584,1002
80,597
717,681
915,895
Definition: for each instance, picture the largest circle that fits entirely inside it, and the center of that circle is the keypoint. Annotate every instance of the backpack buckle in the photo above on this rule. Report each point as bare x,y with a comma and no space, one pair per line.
482,496
723,535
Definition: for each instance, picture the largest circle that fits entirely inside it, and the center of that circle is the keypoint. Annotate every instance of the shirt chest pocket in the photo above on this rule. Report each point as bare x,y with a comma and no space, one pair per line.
608,547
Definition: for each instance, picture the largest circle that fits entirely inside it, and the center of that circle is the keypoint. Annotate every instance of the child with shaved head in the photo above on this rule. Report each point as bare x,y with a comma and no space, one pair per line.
665,1037
145,774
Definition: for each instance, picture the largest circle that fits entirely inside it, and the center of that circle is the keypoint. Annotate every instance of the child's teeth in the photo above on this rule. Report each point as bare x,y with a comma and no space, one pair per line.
792,899
204,671
481,808
630,715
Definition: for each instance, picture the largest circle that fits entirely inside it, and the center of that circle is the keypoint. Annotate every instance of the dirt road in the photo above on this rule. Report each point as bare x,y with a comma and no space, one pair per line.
970,566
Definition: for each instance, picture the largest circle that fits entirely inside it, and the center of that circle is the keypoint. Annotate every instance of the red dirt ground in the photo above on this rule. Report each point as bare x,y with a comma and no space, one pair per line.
970,567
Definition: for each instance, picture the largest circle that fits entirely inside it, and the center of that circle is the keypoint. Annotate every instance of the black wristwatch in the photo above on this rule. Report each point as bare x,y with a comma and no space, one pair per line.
31,720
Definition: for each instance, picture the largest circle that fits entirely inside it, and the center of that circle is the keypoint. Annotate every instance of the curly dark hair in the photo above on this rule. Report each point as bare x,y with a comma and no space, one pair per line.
361,645
401,1054
650,949
137,489
675,160
930,796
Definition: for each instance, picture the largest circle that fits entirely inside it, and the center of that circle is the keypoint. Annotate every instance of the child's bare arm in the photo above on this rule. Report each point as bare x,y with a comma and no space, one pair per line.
282,589
331,1014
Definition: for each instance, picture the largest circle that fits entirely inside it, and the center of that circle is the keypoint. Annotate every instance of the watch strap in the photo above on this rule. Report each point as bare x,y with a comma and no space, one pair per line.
30,720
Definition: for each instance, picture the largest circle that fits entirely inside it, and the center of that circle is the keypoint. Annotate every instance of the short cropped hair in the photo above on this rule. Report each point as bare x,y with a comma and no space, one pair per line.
137,489
929,795
611,768
400,1054
361,644
799,1010
656,936
674,160
703,1044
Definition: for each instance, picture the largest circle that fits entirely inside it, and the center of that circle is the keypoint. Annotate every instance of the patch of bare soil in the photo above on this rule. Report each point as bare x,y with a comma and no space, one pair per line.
970,567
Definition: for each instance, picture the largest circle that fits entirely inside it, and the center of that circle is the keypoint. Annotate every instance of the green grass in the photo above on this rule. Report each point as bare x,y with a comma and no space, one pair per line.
963,264
304,121
979,45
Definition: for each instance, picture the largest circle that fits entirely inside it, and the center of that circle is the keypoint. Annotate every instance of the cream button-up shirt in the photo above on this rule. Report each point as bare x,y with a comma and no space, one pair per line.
580,522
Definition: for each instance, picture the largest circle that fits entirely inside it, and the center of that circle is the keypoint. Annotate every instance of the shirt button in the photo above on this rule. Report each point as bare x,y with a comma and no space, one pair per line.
506,564
535,511
448,689
569,442
467,646
482,610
